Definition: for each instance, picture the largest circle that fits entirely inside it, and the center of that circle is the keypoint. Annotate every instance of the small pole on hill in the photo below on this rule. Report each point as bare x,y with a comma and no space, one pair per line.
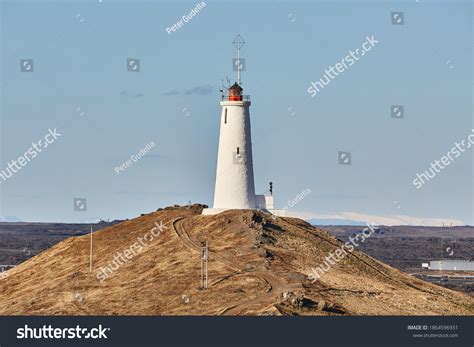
202,268
207,259
90,258
204,262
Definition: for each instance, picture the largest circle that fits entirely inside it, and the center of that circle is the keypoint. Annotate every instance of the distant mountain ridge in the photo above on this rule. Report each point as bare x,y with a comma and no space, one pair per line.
10,219
347,222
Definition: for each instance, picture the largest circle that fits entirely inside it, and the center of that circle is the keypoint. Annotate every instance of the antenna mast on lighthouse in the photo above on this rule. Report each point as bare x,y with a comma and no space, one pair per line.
238,42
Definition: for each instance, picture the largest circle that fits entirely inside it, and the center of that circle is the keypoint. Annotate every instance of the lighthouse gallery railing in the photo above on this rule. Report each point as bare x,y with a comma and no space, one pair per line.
235,98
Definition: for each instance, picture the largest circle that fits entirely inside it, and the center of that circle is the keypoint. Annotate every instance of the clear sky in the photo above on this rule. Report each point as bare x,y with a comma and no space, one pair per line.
80,85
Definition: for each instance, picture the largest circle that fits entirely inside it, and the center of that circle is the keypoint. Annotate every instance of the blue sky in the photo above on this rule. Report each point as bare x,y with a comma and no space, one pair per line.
80,51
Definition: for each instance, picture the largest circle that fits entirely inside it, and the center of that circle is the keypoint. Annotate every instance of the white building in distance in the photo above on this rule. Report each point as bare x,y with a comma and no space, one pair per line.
449,265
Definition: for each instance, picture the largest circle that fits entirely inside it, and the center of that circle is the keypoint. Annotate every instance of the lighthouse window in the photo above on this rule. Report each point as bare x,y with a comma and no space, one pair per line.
238,150
225,117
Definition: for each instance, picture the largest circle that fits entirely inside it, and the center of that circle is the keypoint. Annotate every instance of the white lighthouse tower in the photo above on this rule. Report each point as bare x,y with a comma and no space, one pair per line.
235,188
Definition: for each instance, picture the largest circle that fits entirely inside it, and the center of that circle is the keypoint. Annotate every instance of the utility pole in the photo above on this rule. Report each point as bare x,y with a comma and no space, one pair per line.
90,257
204,262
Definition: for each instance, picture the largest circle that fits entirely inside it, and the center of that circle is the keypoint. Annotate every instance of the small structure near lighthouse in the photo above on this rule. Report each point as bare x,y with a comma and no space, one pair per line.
235,187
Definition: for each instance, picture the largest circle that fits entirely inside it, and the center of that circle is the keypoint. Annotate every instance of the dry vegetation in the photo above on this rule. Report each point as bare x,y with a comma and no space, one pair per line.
257,266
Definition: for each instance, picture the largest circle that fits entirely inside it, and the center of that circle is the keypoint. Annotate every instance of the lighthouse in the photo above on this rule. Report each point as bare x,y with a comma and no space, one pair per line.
234,186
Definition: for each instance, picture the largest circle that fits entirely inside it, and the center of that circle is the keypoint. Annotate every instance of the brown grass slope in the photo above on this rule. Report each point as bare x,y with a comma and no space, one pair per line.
257,266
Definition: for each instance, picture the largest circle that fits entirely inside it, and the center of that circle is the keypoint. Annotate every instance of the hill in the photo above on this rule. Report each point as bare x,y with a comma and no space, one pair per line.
258,265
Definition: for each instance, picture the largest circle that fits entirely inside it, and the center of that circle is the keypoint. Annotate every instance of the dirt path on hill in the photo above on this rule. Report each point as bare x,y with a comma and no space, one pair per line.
276,285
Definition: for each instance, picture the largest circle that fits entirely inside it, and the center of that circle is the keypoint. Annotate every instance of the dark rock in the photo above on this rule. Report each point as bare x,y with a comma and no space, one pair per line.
297,301
264,238
268,254
322,305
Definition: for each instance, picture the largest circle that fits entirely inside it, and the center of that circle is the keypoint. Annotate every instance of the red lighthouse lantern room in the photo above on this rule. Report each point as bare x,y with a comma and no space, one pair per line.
235,92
